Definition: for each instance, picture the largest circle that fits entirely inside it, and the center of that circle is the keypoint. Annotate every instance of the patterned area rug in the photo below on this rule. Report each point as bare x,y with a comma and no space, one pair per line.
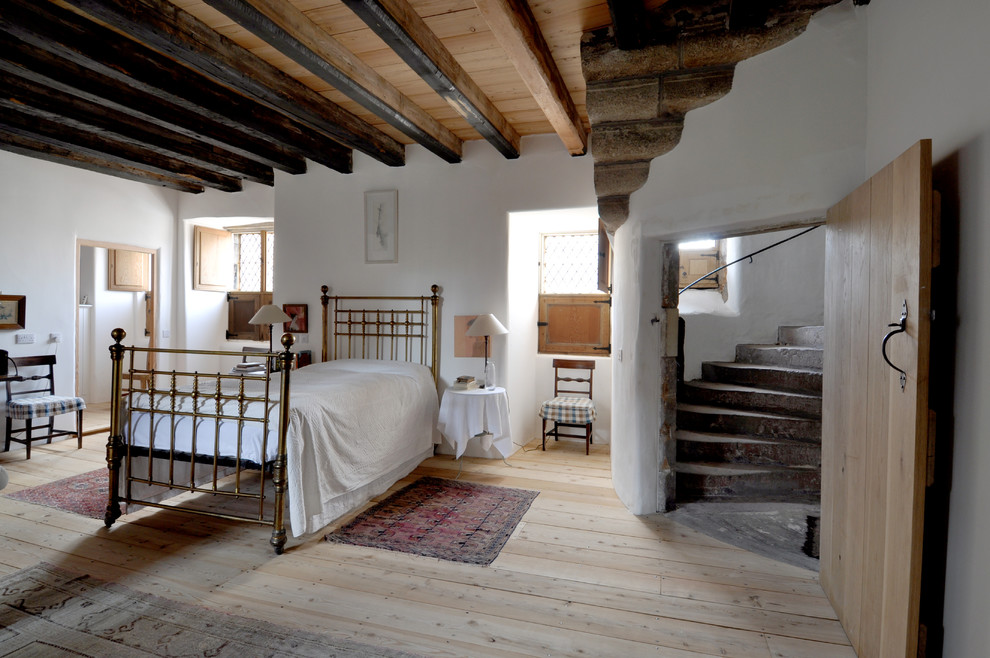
84,494
48,611
446,519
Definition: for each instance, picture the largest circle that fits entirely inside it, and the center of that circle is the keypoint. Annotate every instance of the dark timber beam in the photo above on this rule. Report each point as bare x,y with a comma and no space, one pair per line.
42,101
516,29
398,24
65,35
43,68
53,130
292,33
34,148
630,24
176,33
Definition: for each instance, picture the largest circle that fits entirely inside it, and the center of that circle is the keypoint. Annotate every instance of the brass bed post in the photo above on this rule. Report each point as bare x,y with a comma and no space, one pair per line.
324,299
115,444
278,470
434,342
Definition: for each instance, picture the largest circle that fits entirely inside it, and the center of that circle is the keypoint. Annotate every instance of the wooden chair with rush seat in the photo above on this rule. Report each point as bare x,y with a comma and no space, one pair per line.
35,398
572,405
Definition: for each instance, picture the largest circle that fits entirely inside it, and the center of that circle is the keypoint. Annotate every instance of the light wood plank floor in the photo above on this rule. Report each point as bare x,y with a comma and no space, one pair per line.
580,576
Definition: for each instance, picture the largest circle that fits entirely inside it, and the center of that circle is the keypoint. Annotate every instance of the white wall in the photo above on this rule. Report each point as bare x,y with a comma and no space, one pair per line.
44,209
783,145
453,231
784,286
525,253
928,79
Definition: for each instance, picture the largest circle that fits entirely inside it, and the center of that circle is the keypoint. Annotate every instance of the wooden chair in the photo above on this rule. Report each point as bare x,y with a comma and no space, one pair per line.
572,405
37,399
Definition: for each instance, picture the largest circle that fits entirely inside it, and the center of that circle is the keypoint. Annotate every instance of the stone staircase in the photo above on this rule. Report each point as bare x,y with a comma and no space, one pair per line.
750,429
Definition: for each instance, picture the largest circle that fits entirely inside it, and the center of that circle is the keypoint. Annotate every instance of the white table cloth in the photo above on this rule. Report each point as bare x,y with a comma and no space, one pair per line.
478,413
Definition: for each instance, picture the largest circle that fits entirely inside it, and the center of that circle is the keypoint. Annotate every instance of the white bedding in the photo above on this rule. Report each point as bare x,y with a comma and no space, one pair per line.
355,427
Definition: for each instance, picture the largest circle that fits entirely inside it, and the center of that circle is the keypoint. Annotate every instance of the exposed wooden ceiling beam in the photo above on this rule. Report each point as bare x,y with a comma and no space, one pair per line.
295,35
513,24
34,148
66,35
398,24
30,63
176,33
630,24
71,110
55,131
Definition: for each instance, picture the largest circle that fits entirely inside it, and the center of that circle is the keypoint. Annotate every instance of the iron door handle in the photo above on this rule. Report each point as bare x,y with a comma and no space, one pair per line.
898,327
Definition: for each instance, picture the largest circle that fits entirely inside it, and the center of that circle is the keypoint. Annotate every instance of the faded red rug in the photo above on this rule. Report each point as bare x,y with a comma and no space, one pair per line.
84,494
445,519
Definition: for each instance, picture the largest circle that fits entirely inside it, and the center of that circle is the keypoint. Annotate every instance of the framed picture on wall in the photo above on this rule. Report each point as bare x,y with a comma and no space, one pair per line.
381,228
299,322
12,311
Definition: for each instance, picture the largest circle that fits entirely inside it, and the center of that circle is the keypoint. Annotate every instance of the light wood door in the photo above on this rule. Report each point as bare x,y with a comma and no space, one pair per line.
874,434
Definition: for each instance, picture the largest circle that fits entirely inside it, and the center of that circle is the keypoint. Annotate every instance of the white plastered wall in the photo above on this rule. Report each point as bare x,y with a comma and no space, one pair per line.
44,209
782,287
785,144
524,287
453,230
928,79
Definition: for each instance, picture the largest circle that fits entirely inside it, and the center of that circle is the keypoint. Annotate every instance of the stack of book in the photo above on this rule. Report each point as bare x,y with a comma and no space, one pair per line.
249,368
465,383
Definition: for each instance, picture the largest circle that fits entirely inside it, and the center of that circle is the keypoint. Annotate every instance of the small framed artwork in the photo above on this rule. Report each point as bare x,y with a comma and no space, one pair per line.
299,318
381,228
12,311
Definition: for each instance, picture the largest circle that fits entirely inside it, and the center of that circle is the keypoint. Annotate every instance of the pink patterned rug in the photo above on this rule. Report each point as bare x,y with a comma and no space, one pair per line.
84,494
445,519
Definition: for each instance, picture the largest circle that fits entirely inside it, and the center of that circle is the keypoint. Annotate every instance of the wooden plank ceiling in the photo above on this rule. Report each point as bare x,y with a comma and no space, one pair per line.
192,94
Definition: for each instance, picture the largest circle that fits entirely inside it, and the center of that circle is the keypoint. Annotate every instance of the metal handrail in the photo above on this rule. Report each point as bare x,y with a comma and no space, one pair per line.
749,256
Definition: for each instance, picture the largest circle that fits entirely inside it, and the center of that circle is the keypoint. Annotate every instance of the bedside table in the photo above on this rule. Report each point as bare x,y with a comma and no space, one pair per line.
476,414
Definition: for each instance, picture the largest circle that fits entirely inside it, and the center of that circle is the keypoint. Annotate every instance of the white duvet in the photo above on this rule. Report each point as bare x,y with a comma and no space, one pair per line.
355,427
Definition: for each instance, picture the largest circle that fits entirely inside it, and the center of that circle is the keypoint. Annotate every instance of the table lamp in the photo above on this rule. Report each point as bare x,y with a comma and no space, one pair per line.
487,325
269,314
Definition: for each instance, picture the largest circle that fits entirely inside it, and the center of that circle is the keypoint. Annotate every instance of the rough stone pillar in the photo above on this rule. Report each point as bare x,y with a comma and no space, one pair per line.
669,273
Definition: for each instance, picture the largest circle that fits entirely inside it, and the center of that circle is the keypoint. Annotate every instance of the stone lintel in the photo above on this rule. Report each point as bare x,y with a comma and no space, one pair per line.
601,61
691,89
726,48
620,179
613,211
635,141
623,100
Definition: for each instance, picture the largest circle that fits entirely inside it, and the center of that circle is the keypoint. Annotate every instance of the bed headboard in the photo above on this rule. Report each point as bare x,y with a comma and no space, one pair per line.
383,327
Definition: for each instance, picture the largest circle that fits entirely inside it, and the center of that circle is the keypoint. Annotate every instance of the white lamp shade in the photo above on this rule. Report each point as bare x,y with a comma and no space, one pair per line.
269,314
486,325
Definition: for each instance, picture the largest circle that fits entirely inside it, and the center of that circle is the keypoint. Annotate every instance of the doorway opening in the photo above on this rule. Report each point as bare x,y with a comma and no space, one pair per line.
115,287
746,447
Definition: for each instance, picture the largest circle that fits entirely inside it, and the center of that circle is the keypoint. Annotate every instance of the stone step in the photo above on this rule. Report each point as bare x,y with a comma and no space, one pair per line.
788,356
777,378
740,449
725,420
811,336
751,397
706,481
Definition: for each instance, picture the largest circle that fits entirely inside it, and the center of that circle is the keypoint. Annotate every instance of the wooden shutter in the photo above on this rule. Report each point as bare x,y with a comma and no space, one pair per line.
697,263
241,307
212,266
575,324
128,271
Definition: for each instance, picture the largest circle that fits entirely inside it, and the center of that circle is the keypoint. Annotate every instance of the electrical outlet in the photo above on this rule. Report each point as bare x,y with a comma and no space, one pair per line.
24,338
166,333
55,337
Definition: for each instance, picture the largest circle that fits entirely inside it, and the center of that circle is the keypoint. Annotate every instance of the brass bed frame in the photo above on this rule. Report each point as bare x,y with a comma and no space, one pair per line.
375,327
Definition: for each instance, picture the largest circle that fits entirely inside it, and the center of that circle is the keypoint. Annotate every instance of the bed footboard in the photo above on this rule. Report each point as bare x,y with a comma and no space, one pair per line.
208,437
